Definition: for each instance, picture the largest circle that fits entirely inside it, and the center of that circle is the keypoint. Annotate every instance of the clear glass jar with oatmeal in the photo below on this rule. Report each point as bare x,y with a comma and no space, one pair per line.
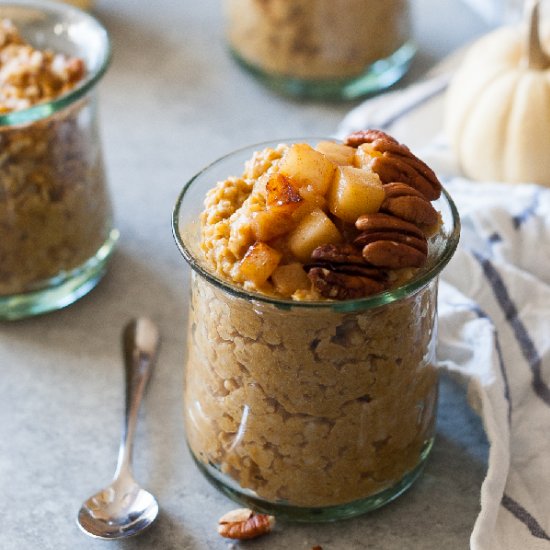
55,210
322,48
310,409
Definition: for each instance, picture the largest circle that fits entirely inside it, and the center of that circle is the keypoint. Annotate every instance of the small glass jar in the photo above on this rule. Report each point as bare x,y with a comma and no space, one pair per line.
339,49
55,211
312,411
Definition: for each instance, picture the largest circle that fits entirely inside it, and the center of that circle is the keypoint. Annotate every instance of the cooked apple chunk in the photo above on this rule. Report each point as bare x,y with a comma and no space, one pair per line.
289,278
259,262
269,224
355,192
340,154
282,194
314,229
364,155
307,167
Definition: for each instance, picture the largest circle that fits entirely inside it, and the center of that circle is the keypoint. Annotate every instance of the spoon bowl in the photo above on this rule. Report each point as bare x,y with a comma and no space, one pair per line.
124,509
118,511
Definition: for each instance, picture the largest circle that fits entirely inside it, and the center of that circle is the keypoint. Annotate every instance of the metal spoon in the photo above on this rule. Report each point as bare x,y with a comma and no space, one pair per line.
123,508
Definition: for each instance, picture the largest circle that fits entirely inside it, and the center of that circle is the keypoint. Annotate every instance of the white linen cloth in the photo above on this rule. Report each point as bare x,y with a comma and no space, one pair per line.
494,319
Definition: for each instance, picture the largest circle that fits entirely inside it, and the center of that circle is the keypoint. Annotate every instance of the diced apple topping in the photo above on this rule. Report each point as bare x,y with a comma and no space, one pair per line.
259,262
287,279
282,195
261,229
269,224
364,155
342,155
312,201
314,229
355,192
307,167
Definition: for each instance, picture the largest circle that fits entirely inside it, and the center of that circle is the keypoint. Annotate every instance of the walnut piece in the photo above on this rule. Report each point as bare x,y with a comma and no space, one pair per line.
244,523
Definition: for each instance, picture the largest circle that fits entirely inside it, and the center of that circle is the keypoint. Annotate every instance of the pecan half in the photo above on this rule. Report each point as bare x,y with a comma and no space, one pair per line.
393,255
366,136
338,254
412,209
392,168
386,222
244,523
397,162
366,238
340,271
341,286
390,242
398,189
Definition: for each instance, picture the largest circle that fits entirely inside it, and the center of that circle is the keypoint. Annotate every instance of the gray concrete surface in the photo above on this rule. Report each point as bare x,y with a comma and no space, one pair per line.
173,101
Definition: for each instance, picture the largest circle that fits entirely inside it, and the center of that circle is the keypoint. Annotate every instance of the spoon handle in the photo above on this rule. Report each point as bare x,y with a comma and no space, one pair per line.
140,342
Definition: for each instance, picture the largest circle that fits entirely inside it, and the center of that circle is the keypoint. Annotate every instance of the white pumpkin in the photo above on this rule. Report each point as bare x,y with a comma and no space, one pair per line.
497,109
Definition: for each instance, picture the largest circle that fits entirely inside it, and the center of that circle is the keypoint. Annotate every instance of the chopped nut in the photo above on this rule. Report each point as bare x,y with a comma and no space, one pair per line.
55,210
244,523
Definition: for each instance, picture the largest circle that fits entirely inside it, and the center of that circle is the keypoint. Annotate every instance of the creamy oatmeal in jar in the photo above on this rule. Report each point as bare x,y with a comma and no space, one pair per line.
320,41
310,387
55,209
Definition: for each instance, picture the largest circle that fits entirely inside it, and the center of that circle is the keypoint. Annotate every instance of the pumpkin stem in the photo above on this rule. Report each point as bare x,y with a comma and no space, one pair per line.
537,58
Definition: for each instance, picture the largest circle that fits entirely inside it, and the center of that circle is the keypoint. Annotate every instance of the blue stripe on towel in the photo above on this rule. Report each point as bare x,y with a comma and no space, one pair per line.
520,513
521,333
529,212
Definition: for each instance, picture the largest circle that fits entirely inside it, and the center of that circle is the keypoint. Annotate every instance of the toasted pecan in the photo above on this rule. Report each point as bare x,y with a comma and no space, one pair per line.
392,169
399,189
338,253
393,255
341,286
367,136
386,222
412,209
366,238
244,523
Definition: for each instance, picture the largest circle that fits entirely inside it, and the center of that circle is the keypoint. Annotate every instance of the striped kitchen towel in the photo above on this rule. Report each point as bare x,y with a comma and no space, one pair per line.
494,319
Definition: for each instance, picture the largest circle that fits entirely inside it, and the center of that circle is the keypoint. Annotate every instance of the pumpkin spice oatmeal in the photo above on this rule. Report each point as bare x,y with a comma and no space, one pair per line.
55,212
310,380
316,39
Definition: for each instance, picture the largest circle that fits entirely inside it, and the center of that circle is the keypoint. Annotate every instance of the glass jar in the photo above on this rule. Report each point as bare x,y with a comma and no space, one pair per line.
55,211
312,411
322,48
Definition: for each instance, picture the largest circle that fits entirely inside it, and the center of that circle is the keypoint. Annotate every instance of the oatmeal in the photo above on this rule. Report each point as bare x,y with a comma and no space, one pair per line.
55,212
355,217
297,390
316,39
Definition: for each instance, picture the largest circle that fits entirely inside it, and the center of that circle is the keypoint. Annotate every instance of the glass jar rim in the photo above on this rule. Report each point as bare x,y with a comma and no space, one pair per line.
48,108
392,295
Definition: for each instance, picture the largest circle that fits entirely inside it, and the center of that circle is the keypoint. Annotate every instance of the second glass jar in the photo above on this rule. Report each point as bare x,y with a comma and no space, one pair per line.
338,49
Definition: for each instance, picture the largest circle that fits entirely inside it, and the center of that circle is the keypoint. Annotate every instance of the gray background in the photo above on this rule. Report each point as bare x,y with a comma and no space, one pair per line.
171,102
